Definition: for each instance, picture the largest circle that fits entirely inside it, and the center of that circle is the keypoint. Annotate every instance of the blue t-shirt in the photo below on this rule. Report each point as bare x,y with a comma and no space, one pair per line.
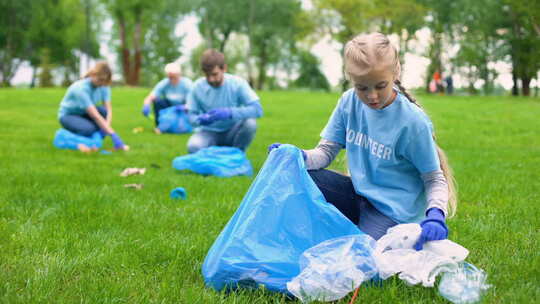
81,95
387,150
235,93
175,94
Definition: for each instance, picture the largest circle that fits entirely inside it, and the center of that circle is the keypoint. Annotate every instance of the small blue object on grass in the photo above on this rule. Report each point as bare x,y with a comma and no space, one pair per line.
105,152
179,193
219,161
63,139
173,121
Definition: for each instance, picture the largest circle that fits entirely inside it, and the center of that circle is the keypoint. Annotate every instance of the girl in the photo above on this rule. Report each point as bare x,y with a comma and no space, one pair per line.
398,173
79,112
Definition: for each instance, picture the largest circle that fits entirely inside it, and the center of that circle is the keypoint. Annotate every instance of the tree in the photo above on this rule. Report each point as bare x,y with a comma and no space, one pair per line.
134,20
310,75
14,19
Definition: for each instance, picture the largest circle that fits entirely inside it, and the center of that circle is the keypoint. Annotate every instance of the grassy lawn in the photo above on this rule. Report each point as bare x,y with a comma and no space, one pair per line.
70,231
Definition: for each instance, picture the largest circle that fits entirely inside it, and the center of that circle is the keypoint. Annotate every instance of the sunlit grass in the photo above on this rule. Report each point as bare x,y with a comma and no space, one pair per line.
70,231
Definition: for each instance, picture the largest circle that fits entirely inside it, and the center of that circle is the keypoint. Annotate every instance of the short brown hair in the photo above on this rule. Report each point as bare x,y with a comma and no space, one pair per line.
212,58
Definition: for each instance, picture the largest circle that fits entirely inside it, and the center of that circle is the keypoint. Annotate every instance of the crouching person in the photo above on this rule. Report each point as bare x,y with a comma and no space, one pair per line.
222,106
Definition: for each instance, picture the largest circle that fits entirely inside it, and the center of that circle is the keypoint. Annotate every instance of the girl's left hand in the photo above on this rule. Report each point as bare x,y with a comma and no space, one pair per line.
433,228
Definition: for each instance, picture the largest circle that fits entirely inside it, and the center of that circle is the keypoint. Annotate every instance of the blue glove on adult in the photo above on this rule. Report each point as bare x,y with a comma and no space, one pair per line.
277,145
117,141
180,108
214,115
146,110
433,228
204,119
220,114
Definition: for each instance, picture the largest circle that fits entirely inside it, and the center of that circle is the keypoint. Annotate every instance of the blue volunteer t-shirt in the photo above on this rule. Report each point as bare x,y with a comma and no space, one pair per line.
387,150
235,93
175,94
81,95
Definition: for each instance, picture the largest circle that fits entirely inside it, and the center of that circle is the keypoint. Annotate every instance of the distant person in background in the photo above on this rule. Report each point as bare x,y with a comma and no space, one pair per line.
449,84
222,106
171,91
438,81
86,107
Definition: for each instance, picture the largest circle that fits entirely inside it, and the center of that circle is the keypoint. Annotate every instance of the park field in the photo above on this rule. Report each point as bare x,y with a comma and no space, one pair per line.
71,233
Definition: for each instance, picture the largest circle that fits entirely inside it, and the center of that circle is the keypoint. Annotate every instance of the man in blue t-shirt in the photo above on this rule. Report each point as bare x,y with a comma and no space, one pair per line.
222,106
170,91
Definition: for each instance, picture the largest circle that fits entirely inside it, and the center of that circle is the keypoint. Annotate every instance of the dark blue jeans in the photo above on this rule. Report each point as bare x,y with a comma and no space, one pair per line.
160,104
82,124
338,190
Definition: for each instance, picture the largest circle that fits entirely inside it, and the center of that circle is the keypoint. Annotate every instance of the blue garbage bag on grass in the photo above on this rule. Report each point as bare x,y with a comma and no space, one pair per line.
219,161
173,121
63,139
282,214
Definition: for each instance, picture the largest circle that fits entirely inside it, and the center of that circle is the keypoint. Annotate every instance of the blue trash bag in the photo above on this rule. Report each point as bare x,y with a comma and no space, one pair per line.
219,161
282,214
172,121
63,139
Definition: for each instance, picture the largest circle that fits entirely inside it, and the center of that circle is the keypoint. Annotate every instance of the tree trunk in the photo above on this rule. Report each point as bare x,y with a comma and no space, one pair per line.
525,86
515,85
249,49
126,62
263,60
137,46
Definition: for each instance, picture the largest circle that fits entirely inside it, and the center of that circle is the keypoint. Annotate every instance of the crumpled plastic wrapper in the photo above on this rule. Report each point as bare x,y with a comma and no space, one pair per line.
334,268
133,171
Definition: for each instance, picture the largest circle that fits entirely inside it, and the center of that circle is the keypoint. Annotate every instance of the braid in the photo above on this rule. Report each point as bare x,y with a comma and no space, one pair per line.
409,96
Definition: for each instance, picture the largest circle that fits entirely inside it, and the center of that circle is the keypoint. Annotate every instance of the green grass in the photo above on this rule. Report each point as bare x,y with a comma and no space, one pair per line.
70,231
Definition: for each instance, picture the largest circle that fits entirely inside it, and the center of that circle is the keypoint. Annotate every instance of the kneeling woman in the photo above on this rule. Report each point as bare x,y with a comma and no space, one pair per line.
79,112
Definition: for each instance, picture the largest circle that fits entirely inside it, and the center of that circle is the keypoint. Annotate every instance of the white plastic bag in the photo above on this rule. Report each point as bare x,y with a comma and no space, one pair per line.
332,269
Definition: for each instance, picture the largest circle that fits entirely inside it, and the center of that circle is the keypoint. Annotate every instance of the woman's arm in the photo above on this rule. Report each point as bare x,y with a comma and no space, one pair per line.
108,107
100,121
322,155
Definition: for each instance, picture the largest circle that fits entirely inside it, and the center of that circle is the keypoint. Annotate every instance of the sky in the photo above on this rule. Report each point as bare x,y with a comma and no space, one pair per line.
327,50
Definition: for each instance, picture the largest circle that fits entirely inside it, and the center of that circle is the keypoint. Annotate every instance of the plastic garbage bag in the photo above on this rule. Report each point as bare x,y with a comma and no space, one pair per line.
282,214
465,285
334,268
394,254
63,139
220,161
173,121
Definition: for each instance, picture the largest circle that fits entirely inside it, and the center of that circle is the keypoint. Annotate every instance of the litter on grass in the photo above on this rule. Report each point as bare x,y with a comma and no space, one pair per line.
134,186
132,171
178,193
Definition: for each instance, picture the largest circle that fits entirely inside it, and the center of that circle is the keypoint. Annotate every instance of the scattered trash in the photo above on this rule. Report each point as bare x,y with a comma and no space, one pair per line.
63,139
178,193
105,152
155,166
394,254
134,186
334,268
282,214
132,171
465,285
137,130
173,121
219,161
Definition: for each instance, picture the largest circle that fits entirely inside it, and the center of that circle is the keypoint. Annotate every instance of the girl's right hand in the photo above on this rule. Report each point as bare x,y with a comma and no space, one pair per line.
118,143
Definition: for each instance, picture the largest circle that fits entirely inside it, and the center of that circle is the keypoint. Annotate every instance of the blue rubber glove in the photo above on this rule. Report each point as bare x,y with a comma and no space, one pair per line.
433,228
277,145
204,119
146,110
180,108
117,141
220,114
